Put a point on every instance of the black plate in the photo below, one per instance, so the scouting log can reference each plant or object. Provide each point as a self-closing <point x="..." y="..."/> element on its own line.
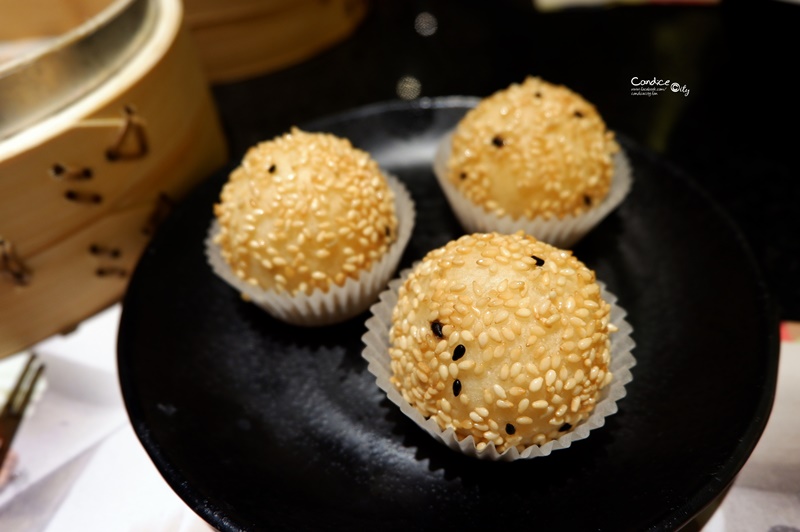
<point x="259" y="425"/>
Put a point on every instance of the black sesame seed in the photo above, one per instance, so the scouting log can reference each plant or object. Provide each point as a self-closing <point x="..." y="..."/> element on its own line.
<point x="387" y="231"/>
<point x="587" y="199"/>
<point x="272" y="169"/>
<point x="456" y="387"/>
<point x="510" y="430"/>
<point x="539" y="262"/>
<point x="459" y="352"/>
<point x="498" y="141"/>
<point x="462" y="175"/>
<point x="538" y="94"/>
<point x="565" y="427"/>
<point x="578" y="114"/>
<point x="436" y="327"/>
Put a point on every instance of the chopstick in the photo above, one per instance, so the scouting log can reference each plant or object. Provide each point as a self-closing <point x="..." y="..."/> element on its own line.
<point x="18" y="400"/>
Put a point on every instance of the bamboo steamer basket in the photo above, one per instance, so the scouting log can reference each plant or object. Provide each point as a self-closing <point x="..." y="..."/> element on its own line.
<point x="90" y="162"/>
<point x="238" y="39"/>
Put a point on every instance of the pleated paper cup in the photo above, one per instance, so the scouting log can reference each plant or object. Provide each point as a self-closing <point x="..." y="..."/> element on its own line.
<point x="561" y="232"/>
<point x="376" y="353"/>
<point x="338" y="303"/>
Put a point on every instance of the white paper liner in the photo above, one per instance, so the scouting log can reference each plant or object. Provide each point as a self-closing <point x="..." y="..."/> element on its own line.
<point x="339" y="303"/>
<point x="376" y="353"/>
<point x="560" y="232"/>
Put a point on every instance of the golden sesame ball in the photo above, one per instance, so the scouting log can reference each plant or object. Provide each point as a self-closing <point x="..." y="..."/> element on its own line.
<point x="533" y="149"/>
<point x="305" y="211"/>
<point x="501" y="337"/>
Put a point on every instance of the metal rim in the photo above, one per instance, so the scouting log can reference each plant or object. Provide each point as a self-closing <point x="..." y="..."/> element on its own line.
<point x="36" y="85"/>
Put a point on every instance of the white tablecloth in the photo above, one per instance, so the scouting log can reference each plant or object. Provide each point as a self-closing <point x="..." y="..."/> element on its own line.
<point x="82" y="467"/>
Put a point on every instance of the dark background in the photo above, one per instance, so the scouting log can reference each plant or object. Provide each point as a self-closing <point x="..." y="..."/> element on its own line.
<point x="735" y="133"/>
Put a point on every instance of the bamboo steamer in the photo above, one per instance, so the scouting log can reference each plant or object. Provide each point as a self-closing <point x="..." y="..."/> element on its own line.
<point x="238" y="39"/>
<point x="83" y="186"/>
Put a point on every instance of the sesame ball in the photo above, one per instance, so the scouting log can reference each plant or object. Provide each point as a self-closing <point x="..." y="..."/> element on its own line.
<point x="533" y="150"/>
<point x="305" y="211"/>
<point x="503" y="338"/>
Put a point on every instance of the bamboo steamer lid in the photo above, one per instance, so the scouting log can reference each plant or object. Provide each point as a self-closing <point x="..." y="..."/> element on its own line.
<point x="123" y="127"/>
<point x="238" y="39"/>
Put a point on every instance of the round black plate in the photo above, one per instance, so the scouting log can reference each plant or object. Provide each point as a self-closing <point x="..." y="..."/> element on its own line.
<point x="262" y="426"/>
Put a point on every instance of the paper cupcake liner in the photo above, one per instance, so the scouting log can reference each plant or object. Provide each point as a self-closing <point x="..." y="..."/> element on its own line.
<point x="561" y="232"/>
<point x="339" y="303"/>
<point x="376" y="353"/>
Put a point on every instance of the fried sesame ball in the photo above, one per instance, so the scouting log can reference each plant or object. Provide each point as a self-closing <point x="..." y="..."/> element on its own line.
<point x="305" y="211"/>
<point x="534" y="149"/>
<point x="503" y="338"/>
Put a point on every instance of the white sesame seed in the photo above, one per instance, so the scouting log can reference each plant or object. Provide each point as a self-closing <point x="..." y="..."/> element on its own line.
<point x="483" y="339"/>
<point x="452" y="336"/>
<point x="503" y="372"/>
<point x="575" y="404"/>
<point x="523" y="405"/>
<point x="453" y="369"/>
<point x="466" y="364"/>
<point x="487" y="395"/>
